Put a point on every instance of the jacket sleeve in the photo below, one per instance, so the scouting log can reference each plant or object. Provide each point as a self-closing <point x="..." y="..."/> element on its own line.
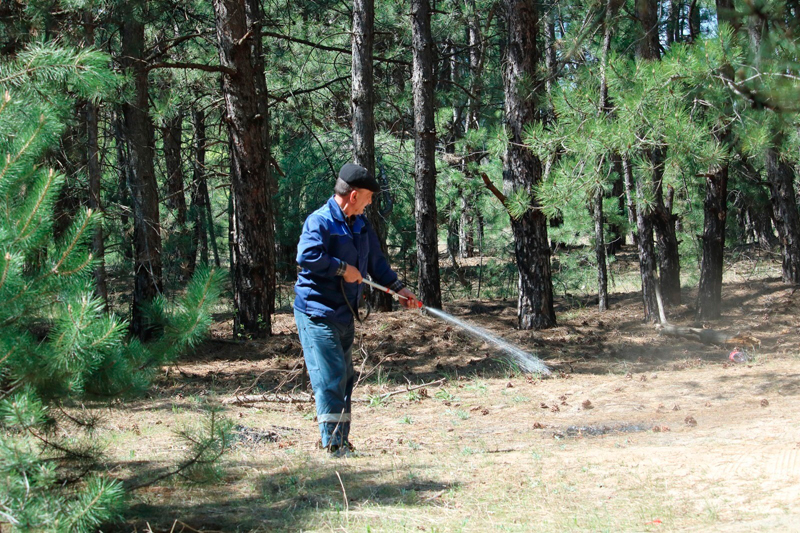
<point x="312" y="250"/>
<point x="377" y="265"/>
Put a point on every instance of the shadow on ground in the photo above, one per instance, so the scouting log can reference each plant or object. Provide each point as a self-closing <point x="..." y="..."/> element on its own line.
<point x="282" y="501"/>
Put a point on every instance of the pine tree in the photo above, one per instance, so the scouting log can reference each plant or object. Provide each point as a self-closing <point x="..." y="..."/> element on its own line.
<point x="57" y="343"/>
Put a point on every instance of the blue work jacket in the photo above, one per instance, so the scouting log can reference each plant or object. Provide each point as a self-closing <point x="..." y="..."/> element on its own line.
<point x="327" y="241"/>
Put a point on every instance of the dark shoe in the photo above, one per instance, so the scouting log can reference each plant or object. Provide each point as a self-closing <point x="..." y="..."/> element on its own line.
<point x="342" y="450"/>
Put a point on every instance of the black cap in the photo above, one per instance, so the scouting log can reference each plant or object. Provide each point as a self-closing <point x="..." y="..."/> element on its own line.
<point x="358" y="177"/>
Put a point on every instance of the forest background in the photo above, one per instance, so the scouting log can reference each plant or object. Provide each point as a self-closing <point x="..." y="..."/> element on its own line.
<point x="145" y="140"/>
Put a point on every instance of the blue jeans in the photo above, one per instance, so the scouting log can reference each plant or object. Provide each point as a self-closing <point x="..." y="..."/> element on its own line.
<point x="327" y="349"/>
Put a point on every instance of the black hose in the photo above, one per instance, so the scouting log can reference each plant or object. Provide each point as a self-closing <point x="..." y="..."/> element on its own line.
<point x="354" y="311"/>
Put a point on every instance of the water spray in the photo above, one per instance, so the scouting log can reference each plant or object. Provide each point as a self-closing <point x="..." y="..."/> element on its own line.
<point x="526" y="361"/>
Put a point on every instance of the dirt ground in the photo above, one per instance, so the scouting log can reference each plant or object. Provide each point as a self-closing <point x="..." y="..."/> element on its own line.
<point x="634" y="432"/>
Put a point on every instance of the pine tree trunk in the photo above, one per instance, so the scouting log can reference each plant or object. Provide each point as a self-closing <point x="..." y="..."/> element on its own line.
<point x="644" y="241"/>
<point x="173" y="131"/>
<point x="673" y="18"/>
<point x="630" y="198"/>
<point x="669" y="265"/>
<point x="94" y="172"/>
<point x="648" y="48"/>
<point x="139" y="135"/>
<point x="522" y="169"/>
<point x="424" y="154"/>
<point x="126" y="243"/>
<point x="252" y="231"/>
<point x="362" y="107"/>
<point x="476" y="54"/>
<point x="781" y="176"/>
<point x="176" y="199"/>
<point x="199" y="194"/>
<point x="715" y="214"/>
<point x="600" y="251"/>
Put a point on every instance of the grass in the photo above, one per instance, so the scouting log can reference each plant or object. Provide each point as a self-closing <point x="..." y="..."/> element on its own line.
<point x="477" y="455"/>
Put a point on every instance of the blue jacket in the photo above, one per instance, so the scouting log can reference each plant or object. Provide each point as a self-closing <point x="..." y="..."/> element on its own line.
<point x="326" y="242"/>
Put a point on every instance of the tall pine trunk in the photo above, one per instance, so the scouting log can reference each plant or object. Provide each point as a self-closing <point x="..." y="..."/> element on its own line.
<point x="715" y="210"/>
<point x="648" y="48"/>
<point x="172" y="134"/>
<point x="362" y="107"/>
<point x="139" y="137"/>
<point x="94" y="172"/>
<point x="781" y="177"/>
<point x="780" y="174"/>
<point x="199" y="238"/>
<point x="252" y="232"/>
<point x="522" y="169"/>
<point x="424" y="154"/>
<point x="644" y="242"/>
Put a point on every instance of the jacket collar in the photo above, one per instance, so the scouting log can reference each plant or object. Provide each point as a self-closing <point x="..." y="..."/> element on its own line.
<point x="338" y="214"/>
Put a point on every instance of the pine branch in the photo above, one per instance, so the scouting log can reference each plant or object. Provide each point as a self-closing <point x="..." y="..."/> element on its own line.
<point x="197" y="66"/>
<point x="318" y="46"/>
<point x="489" y="185"/>
<point x="21" y="152"/>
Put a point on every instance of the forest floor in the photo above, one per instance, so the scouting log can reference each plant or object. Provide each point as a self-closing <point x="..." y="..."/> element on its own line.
<point x="635" y="431"/>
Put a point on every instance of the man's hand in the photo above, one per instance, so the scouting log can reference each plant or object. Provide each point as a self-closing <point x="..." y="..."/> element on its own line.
<point x="352" y="275"/>
<point x="410" y="301"/>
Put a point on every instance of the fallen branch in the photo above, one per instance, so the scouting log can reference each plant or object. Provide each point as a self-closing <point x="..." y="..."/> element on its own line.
<point x="407" y="389"/>
<point x="268" y="397"/>
<point x="706" y="336"/>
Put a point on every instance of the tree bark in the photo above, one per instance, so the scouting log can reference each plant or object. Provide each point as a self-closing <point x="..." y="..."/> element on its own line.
<point x="715" y="210"/>
<point x="424" y="154"/>
<point x="139" y="136"/>
<point x="647" y="256"/>
<point x="252" y="231"/>
<point x="600" y="251"/>
<point x="362" y="106"/>
<point x="649" y="48"/>
<point x="172" y="133"/>
<point x="199" y="243"/>
<point x="522" y="169"/>
<point x="781" y="176"/>
<point x="94" y="172"/>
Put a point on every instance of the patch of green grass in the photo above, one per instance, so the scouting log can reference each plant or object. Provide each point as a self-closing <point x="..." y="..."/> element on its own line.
<point x="406" y="420"/>
<point x="445" y="395"/>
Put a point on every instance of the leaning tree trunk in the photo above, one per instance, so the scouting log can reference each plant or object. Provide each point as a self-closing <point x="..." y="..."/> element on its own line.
<point x="362" y="105"/>
<point x="522" y="169"/>
<point x="138" y="134"/>
<point x="424" y="154"/>
<point x="252" y="231"/>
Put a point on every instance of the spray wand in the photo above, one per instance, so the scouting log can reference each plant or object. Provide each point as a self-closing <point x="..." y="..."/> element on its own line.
<point x="387" y="290"/>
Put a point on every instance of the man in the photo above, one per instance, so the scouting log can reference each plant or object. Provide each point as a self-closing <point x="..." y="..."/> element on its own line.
<point x="337" y="248"/>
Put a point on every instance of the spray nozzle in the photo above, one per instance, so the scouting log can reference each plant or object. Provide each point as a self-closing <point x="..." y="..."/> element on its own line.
<point x="389" y="291"/>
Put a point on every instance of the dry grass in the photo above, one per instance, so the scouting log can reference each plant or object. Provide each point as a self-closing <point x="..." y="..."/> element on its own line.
<point x="637" y="433"/>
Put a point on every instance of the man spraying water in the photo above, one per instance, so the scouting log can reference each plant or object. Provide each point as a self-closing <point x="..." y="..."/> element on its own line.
<point x="337" y="249"/>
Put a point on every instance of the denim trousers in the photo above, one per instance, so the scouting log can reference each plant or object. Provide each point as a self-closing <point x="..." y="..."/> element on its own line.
<point x="327" y="350"/>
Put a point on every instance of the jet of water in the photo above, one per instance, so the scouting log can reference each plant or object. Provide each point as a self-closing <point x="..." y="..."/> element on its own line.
<point x="526" y="361"/>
